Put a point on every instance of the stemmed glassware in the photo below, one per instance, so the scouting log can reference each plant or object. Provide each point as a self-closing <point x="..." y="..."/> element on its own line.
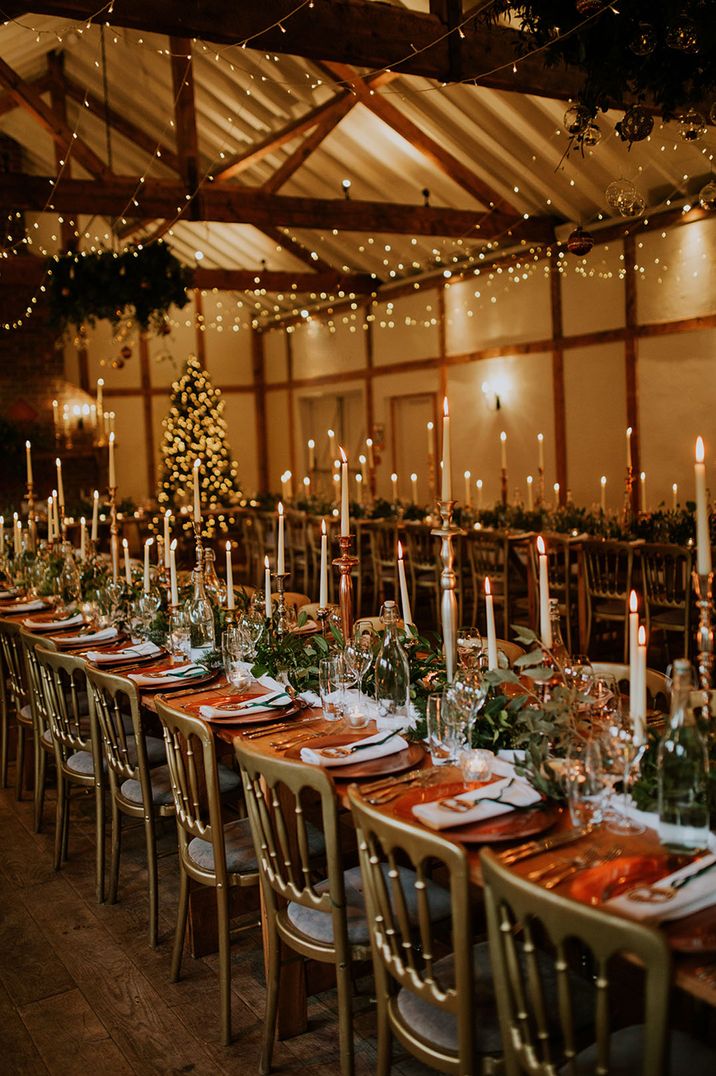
<point x="234" y="647"/>
<point x="469" y="646"/>
<point x="358" y="657"/>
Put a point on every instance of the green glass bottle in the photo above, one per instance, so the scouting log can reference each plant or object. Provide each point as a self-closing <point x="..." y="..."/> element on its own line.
<point x="683" y="767"/>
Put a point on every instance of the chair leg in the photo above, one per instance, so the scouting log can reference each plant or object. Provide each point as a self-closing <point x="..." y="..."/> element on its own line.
<point x="40" y="777"/>
<point x="99" y="840"/>
<point x="66" y="826"/>
<point x="383" y="1062"/>
<point x="115" y="852"/>
<point x="4" y="718"/>
<point x="273" y="981"/>
<point x="222" y="911"/>
<point x="60" y="808"/>
<point x="344" y="983"/>
<point x="151" y="843"/>
<point x="182" y="917"/>
<point x="20" y="762"/>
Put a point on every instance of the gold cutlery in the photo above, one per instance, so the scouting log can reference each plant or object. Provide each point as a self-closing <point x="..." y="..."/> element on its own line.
<point x="375" y="786"/>
<point x="283" y="745"/>
<point x="423" y="780"/>
<point x="351" y="749"/>
<point x="282" y="726"/>
<point x="585" y="859"/>
<point x="570" y="871"/>
<point x="536" y="848"/>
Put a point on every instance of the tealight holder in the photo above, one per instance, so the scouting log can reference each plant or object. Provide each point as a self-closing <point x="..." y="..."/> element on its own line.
<point x="476" y="763"/>
<point x="323" y="612"/>
<point x="447" y="532"/>
<point x="703" y="588"/>
<point x="281" y="616"/>
<point x="345" y="563"/>
<point x="503" y="485"/>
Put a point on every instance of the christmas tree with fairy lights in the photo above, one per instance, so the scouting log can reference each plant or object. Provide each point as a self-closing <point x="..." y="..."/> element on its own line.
<point x="195" y="428"/>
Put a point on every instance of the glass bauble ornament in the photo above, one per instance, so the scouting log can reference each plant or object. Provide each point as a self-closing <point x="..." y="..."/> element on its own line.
<point x="619" y="192"/>
<point x="644" y="41"/>
<point x="580" y="242"/>
<point x="707" y="195"/>
<point x="692" y="126"/>
<point x="576" y="119"/>
<point x="591" y="135"/>
<point x="683" y="35"/>
<point x="636" y="125"/>
<point x="588" y="7"/>
<point x="635" y="207"/>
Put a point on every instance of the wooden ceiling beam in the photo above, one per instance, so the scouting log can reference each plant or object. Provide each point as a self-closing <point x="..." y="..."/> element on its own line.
<point x="58" y="129"/>
<point x="440" y="157"/>
<point x="226" y="203"/>
<point x="297" y="249"/>
<point x="121" y="124"/>
<point x="185" y="116"/>
<point x="358" y="32"/>
<point x="41" y="84"/>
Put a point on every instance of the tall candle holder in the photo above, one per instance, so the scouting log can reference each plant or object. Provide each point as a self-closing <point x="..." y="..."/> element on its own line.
<point x="282" y="626"/>
<point x="345" y="564"/>
<point x="31" y="521"/>
<point x="628" y="495"/>
<point x="703" y="588"/>
<point x="447" y="532"/>
<point x="323" y="612"/>
<point x="113" y="529"/>
<point x="540" y="485"/>
<point x="503" y="485"/>
<point x="431" y="477"/>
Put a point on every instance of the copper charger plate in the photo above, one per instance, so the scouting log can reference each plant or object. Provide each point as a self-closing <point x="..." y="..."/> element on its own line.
<point x="694" y="933"/>
<point x="406" y="759"/>
<point x="184" y="684"/>
<point x="239" y="718"/>
<point x="83" y="644"/>
<point x="511" y="826"/>
<point x="129" y="659"/>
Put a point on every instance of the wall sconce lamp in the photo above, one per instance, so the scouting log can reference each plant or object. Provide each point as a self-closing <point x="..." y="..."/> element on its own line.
<point x="490" y="396"/>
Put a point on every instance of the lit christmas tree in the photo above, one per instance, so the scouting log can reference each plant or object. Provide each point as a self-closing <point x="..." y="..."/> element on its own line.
<point x="195" y="428"/>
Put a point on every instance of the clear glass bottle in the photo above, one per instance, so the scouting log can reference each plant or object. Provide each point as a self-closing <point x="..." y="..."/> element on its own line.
<point x="215" y="589"/>
<point x="201" y="618"/>
<point x="683" y="767"/>
<point x="392" y="672"/>
<point x="69" y="586"/>
<point x="559" y="650"/>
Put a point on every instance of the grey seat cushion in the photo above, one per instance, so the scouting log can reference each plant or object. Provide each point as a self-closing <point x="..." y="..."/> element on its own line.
<point x="229" y="781"/>
<point x="319" y="925"/>
<point x="440" y="1027"/>
<point x="688" y="1057"/>
<point x="81" y="761"/>
<point x="240" y="855"/>
<point x="24" y="714"/>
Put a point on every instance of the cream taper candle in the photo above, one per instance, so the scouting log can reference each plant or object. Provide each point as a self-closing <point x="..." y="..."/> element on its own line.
<point x="404" y="598"/>
<point x="703" y="536"/>
<point x="323" y="578"/>
<point x="490" y="620"/>
<point x="229" y="578"/>
<point x="545" y="625"/>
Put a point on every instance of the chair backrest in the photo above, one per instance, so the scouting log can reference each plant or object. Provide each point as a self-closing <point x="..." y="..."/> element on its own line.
<point x="487" y="555"/>
<point x="666" y="575"/>
<point x="404" y="945"/>
<point x="293" y="598"/>
<point x="278" y="792"/>
<point x="64" y="683"/>
<point x="191" y="757"/>
<point x="536" y="1023"/>
<point x="422" y="547"/>
<point x="29" y="643"/>
<point x="14" y="662"/>
<point x="116" y="703"/>
<point x="608" y="569"/>
<point x="657" y="685"/>
<point x="512" y="651"/>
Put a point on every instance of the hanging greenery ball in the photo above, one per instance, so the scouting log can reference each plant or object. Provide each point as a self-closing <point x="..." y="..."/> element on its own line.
<point x="126" y="352"/>
<point x="692" y="126"/>
<point x="683" y="35"/>
<point x="636" y="125"/>
<point x="588" y="7"/>
<point x="580" y="242"/>
<point x="707" y="195"/>
<point x="576" y="119"/>
<point x="643" y="42"/>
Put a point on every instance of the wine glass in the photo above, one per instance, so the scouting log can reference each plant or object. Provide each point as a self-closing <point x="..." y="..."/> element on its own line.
<point x="585" y="782"/>
<point x="233" y="648"/>
<point x="469" y="646"/>
<point x="358" y="656"/>
<point x="621" y="747"/>
<point x="467" y="695"/>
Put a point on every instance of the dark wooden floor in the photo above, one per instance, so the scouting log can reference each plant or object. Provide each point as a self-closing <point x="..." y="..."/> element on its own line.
<point x="82" y="992"/>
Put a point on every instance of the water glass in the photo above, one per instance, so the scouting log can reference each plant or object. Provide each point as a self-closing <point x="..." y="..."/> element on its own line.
<point x="331" y="680"/>
<point x="469" y="647"/>
<point x="585" y="783"/>
<point x="446" y="729"/>
<point x="179" y="636"/>
<point x="233" y="648"/>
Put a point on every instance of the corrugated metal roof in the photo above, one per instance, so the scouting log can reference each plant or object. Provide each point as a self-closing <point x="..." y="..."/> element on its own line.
<point x="513" y="142"/>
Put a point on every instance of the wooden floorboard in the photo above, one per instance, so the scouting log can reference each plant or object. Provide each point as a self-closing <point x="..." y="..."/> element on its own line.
<point x="81" y="991"/>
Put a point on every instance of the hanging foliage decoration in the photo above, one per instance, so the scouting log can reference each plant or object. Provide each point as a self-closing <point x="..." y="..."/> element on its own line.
<point x="651" y="50"/>
<point x="141" y="283"/>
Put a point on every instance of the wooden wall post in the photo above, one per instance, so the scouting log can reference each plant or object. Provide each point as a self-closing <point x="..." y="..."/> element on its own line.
<point x="631" y="346"/>
<point x="257" y="362"/>
<point x="558" y="390"/>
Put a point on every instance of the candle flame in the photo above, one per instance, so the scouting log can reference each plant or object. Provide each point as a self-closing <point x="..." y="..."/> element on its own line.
<point x="280" y="508"/>
<point x="629" y="431"/>
<point x="197" y="462"/>
<point x="394" y="477"/>
<point x="54" y="494"/>
<point x="541" y="548"/>
<point x="331" y="434"/>
<point x="111" y="438"/>
<point x="344" y="458"/>
<point x="323" y="526"/>
<point x="530" y="480"/>
<point x="700" y="454"/>
<point x="431" y="425"/>
<point x="642" y="635"/>
<point x="413" y="477"/>
<point x="540" y="437"/>
<point x="503" y="436"/>
<point x="488" y="588"/>
<point x="359" y="477"/>
<point x="633" y="602"/>
<point x="479" y="483"/>
<point x="369" y="442"/>
<point x="603" y="480"/>
<point x="675" y="488"/>
<point x="83" y="521"/>
<point x="266" y="561"/>
<point x="311" y="443"/>
<point x="173" y="546"/>
<point x="307" y="481"/>
<point x="149" y="541"/>
<point x="468" y="474"/>
<point x="96" y="494"/>
<point x="228" y="547"/>
<point x="58" y="461"/>
<point x="361" y="459"/>
<point x="27" y="444"/>
<point x="167" y="514"/>
<point x="446" y="412"/>
<point x="400" y="550"/>
<point x="556" y="487"/>
<point x="125" y="543"/>
<point x="642" y="476"/>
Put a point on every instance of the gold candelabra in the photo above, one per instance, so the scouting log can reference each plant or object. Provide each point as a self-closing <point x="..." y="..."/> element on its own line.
<point x="503" y="485"/>
<point x="628" y="495"/>
<point x="345" y="564"/>
<point x="31" y="521"/>
<point x="703" y="588"/>
<point x="447" y="532"/>
<point x="540" y="485"/>
<point x="282" y="625"/>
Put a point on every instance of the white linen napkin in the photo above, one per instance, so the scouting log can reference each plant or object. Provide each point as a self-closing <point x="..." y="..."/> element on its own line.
<point x="511" y="791"/>
<point x="391" y="746"/>
<point x="26" y="607"/>
<point x="263" y="704"/>
<point x="141" y="650"/>
<point x="689" y="898"/>
<point x="60" y="622"/>
<point x="7" y="593"/>
<point x="181" y="674"/>
<point x="102" y="635"/>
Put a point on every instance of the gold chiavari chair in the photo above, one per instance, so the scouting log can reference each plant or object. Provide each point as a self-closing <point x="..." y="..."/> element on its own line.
<point x="560" y="568"/>
<point x="657" y="685"/>
<point x="17" y="701"/>
<point x="78" y="751"/>
<point x="486" y="552"/>
<point x="666" y="583"/>
<point x="210" y="853"/>
<point x="297" y="547"/>
<point x="384" y="553"/>
<point x="42" y="733"/>
<point x="422" y="564"/>
<point x="608" y="570"/>
<point x="540" y="1028"/>
<point x="138" y="777"/>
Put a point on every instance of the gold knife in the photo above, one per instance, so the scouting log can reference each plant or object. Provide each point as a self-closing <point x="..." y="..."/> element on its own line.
<point x="535" y="848"/>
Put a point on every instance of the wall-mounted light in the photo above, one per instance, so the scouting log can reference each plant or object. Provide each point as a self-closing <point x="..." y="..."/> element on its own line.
<point x="346" y="185"/>
<point x="490" y="396"/>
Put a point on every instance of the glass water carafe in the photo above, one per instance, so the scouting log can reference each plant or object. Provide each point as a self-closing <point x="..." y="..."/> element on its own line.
<point x="392" y="673"/>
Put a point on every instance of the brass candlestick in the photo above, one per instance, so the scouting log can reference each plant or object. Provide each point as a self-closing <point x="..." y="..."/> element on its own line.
<point x="628" y="495"/>
<point x="282" y="626"/>
<point x="448" y="582"/>
<point x="31" y="521"/>
<point x="345" y="564"/>
<point x="431" y="477"/>
<point x="703" y="588"/>
<point x="113" y="529"/>
<point x="503" y="486"/>
<point x="540" y="485"/>
<point x="323" y="612"/>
